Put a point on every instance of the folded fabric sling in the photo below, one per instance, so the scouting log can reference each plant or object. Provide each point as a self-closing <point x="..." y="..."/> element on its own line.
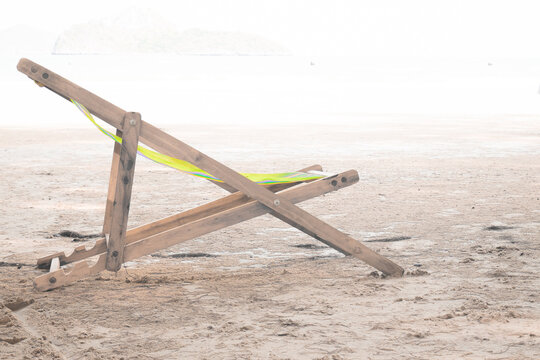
<point x="186" y="167"/>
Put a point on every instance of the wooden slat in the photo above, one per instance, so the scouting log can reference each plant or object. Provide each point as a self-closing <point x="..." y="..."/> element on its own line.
<point x="122" y="196"/>
<point x="112" y="186"/>
<point x="193" y="229"/>
<point x="60" y="277"/>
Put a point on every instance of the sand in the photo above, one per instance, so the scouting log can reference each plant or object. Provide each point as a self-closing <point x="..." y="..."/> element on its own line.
<point x="455" y="201"/>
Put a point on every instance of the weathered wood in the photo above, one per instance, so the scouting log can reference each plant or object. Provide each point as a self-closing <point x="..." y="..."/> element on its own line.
<point x="194" y="229"/>
<point x="224" y="186"/>
<point x="122" y="195"/>
<point x="155" y="227"/>
<point x="112" y="186"/>
<point x="60" y="277"/>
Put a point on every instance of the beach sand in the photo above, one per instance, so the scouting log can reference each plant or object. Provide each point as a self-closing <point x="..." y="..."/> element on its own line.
<point x="453" y="200"/>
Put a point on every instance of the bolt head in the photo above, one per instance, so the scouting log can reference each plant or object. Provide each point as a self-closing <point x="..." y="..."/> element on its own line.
<point x="276" y="202"/>
<point x="132" y="122"/>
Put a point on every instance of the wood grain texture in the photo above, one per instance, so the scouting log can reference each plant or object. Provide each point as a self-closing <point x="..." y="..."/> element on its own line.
<point x="122" y="195"/>
<point x="112" y="186"/>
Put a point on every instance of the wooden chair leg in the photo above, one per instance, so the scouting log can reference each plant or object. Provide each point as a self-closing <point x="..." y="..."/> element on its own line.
<point x="112" y="186"/>
<point x="122" y="195"/>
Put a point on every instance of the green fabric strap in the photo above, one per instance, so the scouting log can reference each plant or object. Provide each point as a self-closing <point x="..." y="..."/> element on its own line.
<point x="191" y="169"/>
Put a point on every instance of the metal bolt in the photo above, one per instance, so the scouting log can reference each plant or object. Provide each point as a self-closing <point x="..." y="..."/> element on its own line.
<point x="115" y="253"/>
<point x="52" y="280"/>
<point x="276" y="202"/>
<point x="132" y="122"/>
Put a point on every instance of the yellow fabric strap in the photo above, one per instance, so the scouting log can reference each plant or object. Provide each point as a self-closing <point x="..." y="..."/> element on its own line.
<point x="191" y="169"/>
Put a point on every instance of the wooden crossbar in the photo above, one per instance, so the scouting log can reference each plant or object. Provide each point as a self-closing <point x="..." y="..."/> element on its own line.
<point x="131" y="127"/>
<point x="124" y="245"/>
<point x="112" y="185"/>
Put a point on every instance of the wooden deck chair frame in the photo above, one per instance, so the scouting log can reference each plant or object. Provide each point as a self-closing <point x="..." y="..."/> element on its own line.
<point x="248" y="199"/>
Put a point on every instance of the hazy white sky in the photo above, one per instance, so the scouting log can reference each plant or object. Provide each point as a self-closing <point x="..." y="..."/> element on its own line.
<point x="471" y="28"/>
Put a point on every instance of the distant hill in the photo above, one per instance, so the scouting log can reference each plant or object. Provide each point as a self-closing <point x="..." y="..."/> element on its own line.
<point x="23" y="39"/>
<point x="147" y="32"/>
